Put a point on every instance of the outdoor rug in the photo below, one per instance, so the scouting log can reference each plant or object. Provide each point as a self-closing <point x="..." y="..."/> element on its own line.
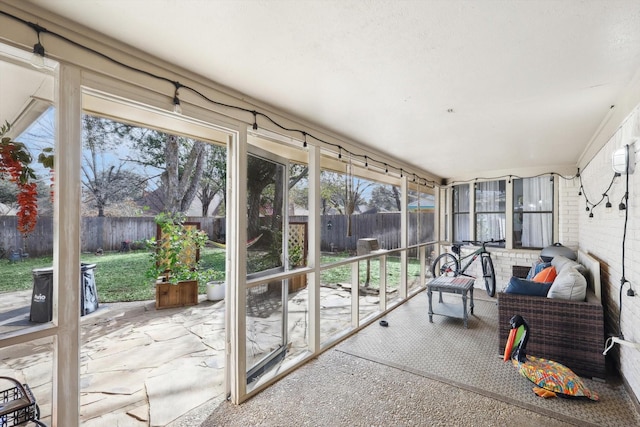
<point x="468" y="359"/>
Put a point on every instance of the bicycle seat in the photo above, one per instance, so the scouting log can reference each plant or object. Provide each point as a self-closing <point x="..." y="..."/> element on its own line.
<point x="455" y="249"/>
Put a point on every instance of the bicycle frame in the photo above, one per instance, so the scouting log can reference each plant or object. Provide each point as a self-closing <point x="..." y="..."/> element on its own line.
<point x="473" y="255"/>
<point x="448" y="258"/>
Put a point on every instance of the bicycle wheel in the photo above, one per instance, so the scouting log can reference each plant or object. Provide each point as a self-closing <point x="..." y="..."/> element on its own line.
<point x="445" y="265"/>
<point x="489" y="275"/>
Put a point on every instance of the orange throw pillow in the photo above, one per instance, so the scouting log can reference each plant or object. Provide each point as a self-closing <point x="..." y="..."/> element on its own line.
<point x="547" y="275"/>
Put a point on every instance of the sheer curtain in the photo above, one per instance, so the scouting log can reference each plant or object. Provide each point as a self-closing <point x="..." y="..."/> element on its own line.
<point x="461" y="213"/>
<point x="461" y="227"/>
<point x="537" y="217"/>
<point x="490" y="208"/>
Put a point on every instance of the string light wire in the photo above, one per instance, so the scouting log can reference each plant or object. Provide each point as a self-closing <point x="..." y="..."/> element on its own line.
<point x="176" y="102"/>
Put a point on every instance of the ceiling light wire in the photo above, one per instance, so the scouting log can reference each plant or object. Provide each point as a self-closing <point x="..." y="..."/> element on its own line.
<point x="177" y="108"/>
<point x="255" y="113"/>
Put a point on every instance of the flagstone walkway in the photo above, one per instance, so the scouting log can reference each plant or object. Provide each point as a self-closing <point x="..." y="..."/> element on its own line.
<point x="141" y="366"/>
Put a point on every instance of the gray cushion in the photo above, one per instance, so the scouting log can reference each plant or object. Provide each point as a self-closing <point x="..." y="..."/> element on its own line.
<point x="560" y="262"/>
<point x="570" y="284"/>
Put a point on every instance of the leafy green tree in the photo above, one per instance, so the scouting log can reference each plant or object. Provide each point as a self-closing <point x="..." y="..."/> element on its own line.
<point x="385" y="197"/>
<point x="260" y="174"/>
<point x="214" y="178"/>
<point x="180" y="160"/>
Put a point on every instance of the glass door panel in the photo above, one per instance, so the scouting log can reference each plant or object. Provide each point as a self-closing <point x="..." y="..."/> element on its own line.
<point x="267" y="302"/>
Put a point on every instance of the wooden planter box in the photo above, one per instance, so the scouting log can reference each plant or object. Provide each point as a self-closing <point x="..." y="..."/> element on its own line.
<point x="297" y="283"/>
<point x="179" y="295"/>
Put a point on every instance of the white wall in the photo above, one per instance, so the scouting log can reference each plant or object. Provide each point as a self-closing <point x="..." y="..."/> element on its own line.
<point x="602" y="237"/>
<point x="569" y="212"/>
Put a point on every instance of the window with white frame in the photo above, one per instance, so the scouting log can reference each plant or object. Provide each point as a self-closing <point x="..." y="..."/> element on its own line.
<point x="532" y="212"/>
<point x="461" y="212"/>
<point x="490" y="210"/>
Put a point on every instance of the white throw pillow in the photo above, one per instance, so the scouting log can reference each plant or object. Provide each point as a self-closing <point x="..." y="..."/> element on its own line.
<point x="569" y="284"/>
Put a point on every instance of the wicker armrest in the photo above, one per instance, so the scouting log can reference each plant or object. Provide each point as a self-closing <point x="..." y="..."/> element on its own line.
<point x="569" y="332"/>
<point x="520" y="271"/>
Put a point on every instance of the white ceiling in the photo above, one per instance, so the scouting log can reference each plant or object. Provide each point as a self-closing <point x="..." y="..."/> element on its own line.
<point x="529" y="82"/>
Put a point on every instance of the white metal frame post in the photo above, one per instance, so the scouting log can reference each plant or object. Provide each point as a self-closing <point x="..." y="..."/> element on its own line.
<point x="404" y="197"/>
<point x="314" y="231"/>
<point x="66" y="250"/>
<point x="355" y="299"/>
<point x="383" y="282"/>
<point x="236" y="342"/>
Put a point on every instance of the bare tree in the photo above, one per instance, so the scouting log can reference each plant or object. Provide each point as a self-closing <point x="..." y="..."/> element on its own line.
<point x="343" y="192"/>
<point x="105" y="178"/>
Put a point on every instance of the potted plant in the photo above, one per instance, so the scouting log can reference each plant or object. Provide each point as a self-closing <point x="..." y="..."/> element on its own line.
<point x="175" y="260"/>
<point x="216" y="290"/>
<point x="215" y="284"/>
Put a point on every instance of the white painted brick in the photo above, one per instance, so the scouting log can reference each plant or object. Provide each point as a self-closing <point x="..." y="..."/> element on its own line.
<point x="602" y="237"/>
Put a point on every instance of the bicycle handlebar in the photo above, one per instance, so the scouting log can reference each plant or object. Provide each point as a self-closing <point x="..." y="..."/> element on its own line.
<point x="481" y="243"/>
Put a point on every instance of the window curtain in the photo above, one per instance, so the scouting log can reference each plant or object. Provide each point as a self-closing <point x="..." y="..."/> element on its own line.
<point x="461" y="227"/>
<point x="537" y="221"/>
<point x="490" y="197"/>
<point x="490" y="226"/>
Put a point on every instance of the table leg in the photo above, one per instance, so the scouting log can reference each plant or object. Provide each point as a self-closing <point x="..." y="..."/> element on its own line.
<point x="430" y="295"/>
<point x="464" y="308"/>
<point x="471" y="290"/>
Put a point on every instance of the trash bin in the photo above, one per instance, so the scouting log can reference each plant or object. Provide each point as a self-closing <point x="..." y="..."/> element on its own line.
<point x="88" y="291"/>
<point x="42" y="295"/>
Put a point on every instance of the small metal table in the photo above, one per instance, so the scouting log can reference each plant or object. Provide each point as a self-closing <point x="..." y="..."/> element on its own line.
<point x="453" y="285"/>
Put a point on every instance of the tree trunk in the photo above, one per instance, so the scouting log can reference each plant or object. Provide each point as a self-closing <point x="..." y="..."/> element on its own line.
<point x="396" y="196"/>
<point x="253" y="214"/>
<point x="170" y="178"/>
<point x="181" y="188"/>
<point x="190" y="179"/>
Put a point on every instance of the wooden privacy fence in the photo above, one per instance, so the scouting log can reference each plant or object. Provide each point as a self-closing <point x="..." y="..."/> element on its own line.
<point x="108" y="233"/>
<point x="383" y="226"/>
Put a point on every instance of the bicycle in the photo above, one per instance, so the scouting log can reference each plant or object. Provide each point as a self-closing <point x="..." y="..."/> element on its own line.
<point x="449" y="264"/>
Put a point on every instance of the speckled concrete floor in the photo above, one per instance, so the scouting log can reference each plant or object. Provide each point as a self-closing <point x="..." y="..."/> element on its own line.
<point x="338" y="389"/>
<point x="429" y="374"/>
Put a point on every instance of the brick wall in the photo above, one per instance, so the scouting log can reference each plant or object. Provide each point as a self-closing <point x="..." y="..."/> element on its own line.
<point x="568" y="212"/>
<point x="602" y="237"/>
<point x="503" y="260"/>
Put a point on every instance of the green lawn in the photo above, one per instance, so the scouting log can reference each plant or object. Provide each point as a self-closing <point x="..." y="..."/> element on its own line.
<point x="342" y="274"/>
<point x="121" y="276"/>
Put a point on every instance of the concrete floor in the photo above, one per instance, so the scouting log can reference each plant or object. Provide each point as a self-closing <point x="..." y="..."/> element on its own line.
<point x="142" y="366"/>
<point x="418" y="373"/>
<point x="338" y="389"/>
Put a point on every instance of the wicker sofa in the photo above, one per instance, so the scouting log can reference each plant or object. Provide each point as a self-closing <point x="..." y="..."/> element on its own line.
<point x="569" y="332"/>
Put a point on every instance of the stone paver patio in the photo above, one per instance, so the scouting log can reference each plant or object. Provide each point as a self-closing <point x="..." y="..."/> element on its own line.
<point x="146" y="367"/>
